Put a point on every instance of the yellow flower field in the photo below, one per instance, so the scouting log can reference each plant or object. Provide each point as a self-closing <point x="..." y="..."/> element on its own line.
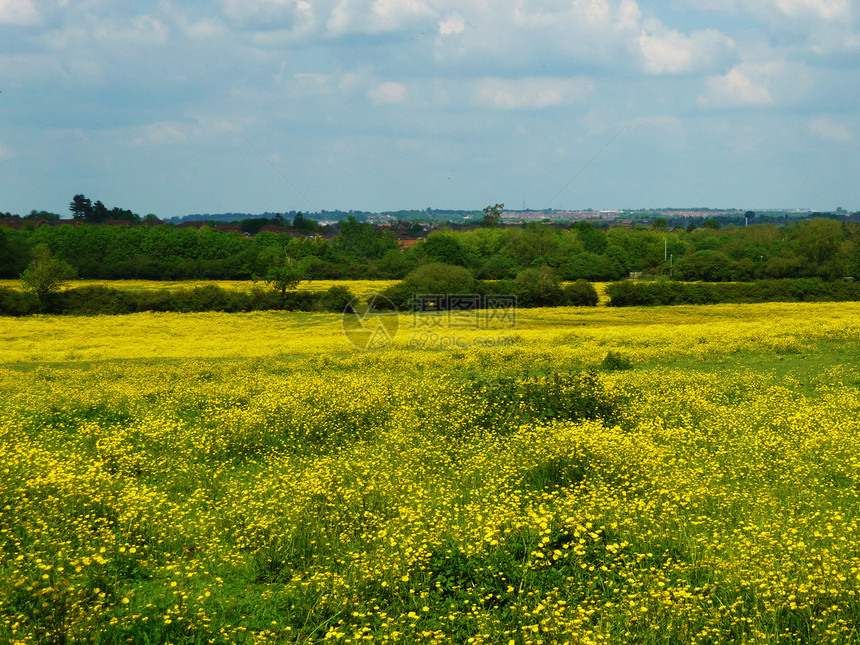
<point x="255" y="478"/>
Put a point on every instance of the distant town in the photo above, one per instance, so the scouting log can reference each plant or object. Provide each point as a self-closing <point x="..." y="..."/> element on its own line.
<point x="673" y="216"/>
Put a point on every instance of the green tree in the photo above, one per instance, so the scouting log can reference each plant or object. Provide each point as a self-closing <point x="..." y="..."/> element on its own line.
<point x="51" y="217"/>
<point x="360" y="240"/>
<point x="711" y="266"/>
<point x="99" y="213"/>
<point x="593" y="239"/>
<point x="443" y="247"/>
<point x="537" y="287"/>
<point x="81" y="207"/>
<point x="282" y="271"/>
<point x="493" y="215"/>
<point x="304" y="224"/>
<point x="46" y="273"/>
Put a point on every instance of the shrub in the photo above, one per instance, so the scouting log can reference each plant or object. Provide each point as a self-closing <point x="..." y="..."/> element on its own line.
<point x="335" y="299"/>
<point x="18" y="303"/>
<point x="616" y="362"/>
<point x="631" y="294"/>
<point x="431" y="279"/>
<point x="537" y="287"/>
<point x="507" y="401"/>
<point x="91" y="301"/>
<point x="581" y="294"/>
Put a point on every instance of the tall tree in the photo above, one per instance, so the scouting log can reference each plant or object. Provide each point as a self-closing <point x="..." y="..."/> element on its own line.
<point x="99" y="213"/>
<point x="493" y="215"/>
<point x="81" y="207"/>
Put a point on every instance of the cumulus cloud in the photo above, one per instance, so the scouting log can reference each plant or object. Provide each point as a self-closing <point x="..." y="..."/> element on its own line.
<point x="738" y="88"/>
<point x="388" y="93"/>
<point x="452" y="24"/>
<point x="830" y="129"/>
<point x="531" y="93"/>
<point x="671" y="52"/>
<point x="18" y="12"/>
<point x="364" y="16"/>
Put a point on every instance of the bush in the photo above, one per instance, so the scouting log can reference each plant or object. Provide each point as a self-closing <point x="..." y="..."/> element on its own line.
<point x="581" y="294"/>
<point x="19" y="303"/>
<point x="431" y="279"/>
<point x="633" y="294"/>
<point x="91" y="300"/>
<point x="507" y="402"/>
<point x="335" y="299"/>
<point x="537" y="287"/>
<point x="209" y="297"/>
<point x="615" y="362"/>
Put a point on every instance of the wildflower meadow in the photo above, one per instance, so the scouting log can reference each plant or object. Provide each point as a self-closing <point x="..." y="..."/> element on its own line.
<point x="673" y="475"/>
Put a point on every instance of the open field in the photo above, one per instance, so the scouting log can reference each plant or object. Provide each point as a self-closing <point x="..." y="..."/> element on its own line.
<point x="197" y="478"/>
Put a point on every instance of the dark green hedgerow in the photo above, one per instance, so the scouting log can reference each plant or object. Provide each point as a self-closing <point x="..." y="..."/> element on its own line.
<point x="633" y="294"/>
<point x="98" y="299"/>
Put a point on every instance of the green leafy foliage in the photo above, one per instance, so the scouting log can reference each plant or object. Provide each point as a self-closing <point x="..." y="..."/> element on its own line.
<point x="46" y="273"/>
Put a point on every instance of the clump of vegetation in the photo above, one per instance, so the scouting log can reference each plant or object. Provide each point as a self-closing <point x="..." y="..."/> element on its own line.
<point x="47" y="274"/>
<point x="91" y="300"/>
<point x="615" y="361"/>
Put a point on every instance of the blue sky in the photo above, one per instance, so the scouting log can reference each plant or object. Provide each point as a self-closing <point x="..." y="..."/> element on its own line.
<point x="185" y="107"/>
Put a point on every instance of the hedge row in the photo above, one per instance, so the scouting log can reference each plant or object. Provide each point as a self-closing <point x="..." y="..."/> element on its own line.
<point x="633" y="294"/>
<point x="93" y="300"/>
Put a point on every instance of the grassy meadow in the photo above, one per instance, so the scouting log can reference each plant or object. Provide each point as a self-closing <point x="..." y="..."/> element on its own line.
<point x="670" y="475"/>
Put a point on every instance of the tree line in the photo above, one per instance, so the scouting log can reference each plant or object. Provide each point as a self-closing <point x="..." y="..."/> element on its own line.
<point x="823" y="248"/>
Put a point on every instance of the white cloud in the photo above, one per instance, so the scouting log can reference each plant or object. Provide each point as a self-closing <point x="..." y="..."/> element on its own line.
<point x="395" y="12"/>
<point x="824" y="9"/>
<point x="18" y="12"/>
<point x="775" y="9"/>
<point x="738" y="88"/>
<point x="531" y="93"/>
<point x="254" y="10"/>
<point x="452" y="24"/>
<point x="829" y="129"/>
<point x="388" y="93"/>
<point x="671" y="52"/>
<point x="6" y="154"/>
<point x="364" y="16"/>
